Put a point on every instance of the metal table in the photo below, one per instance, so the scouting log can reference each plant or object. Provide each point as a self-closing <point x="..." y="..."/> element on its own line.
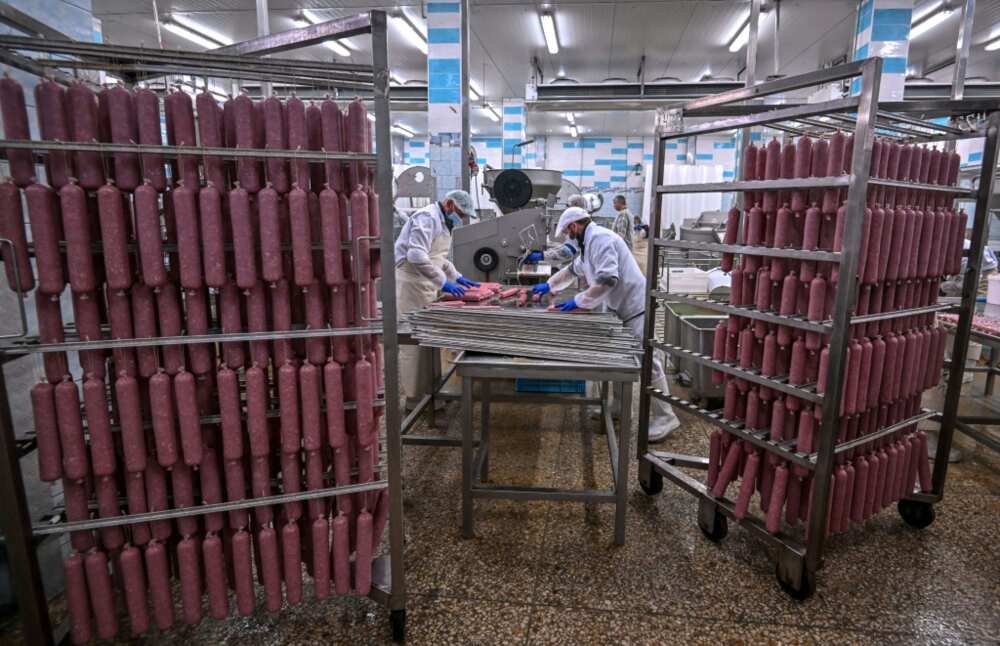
<point x="475" y="465"/>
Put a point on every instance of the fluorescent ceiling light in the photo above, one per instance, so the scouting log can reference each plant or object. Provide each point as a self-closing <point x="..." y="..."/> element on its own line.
<point x="491" y="113"/>
<point x="573" y="131"/>
<point x="929" y="20"/>
<point x="993" y="45"/>
<point x="474" y="91"/>
<point x="306" y="18"/>
<point x="413" y="34"/>
<point x="406" y="132"/>
<point x="571" y="117"/>
<point x="371" y="117"/>
<point x="549" y="31"/>
<point x="196" y="33"/>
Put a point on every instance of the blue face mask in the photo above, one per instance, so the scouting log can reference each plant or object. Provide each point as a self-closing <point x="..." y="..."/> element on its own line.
<point x="452" y="220"/>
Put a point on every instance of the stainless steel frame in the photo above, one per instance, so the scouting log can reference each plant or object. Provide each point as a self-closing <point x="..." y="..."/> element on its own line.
<point x="15" y="522"/>
<point x="798" y="562"/>
<point x="473" y="368"/>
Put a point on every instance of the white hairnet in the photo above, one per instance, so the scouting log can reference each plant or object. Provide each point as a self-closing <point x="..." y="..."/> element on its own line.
<point x="577" y="200"/>
<point x="568" y="217"/>
<point x="463" y="201"/>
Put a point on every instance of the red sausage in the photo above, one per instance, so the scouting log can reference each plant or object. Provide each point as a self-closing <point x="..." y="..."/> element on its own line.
<point x="281" y="319"/>
<point x="257" y="399"/>
<point x="211" y="489"/>
<point x="210" y="131"/>
<point x="762" y="299"/>
<point x="749" y="477"/>
<point x="333" y="126"/>
<point x="260" y="487"/>
<point x="106" y="491"/>
<point x="243" y="237"/>
<point x="275" y="138"/>
<point x="75" y="499"/>
<point x="834" y="167"/>
<point x="314" y="132"/>
<point x="43" y="408"/>
<point x="114" y="237"/>
<point x="88" y="325"/>
<point x="182" y="483"/>
<point x="329" y="204"/>
<point x="77" y="600"/>
<point x="12" y="228"/>
<point x="215" y="577"/>
<point x="302" y="252"/>
<point x="181" y="132"/>
<point x="243" y="571"/>
<point x="797" y="371"/>
<point x="230" y="412"/>
<point x="212" y="236"/>
<point x="81" y="105"/>
<point x="169" y="312"/>
<point x="363" y="558"/>
<point x="185" y="206"/>
<point x="777" y="500"/>
<point x="124" y="129"/>
<point x="291" y="549"/>
<point x="77" y="229"/>
<point x="256" y="310"/>
<point x="359" y="230"/>
<point x="190" y="575"/>
<point x="291" y="482"/>
<point x="164" y="427"/>
<point x="156" y="495"/>
<point x="74" y="448"/>
<point x="297" y="139"/>
<point x="147" y="224"/>
<point x="134" y="588"/>
<point x="311" y="388"/>
<point x="188" y="419"/>
<point x="159" y="585"/>
<point x="46" y="232"/>
<point x="144" y="326"/>
<point x="341" y="555"/>
<point x="196" y="314"/>
<point x="321" y="558"/>
<point x="315" y="320"/>
<point x="374" y="230"/>
<point x="334" y="395"/>
<point x="803" y="155"/>
<point x="358" y="139"/>
<point x="288" y="401"/>
<point x="365" y="401"/>
<point x="772" y="170"/>
<point x="728" y="471"/>
<point x="269" y="565"/>
<point x="270" y="234"/>
<point x="147" y="110"/>
<point x="53" y="125"/>
<point x="245" y="125"/>
<point x="810" y="241"/>
<point x="101" y="595"/>
<point x="229" y="306"/>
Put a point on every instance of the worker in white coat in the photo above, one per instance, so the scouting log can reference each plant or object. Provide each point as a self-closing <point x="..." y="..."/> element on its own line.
<point x="560" y="254"/>
<point x="613" y="279"/>
<point x="423" y="271"/>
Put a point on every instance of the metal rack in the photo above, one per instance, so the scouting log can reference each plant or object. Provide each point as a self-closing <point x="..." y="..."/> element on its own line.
<point x="239" y="61"/>
<point x="798" y="560"/>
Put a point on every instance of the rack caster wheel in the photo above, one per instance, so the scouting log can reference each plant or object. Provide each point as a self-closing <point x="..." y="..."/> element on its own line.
<point x="653" y="485"/>
<point x="805" y="589"/>
<point x="718" y="530"/>
<point x="916" y="514"/>
<point x="397" y="620"/>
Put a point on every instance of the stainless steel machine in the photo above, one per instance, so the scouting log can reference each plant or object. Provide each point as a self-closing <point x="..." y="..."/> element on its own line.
<point x="492" y="249"/>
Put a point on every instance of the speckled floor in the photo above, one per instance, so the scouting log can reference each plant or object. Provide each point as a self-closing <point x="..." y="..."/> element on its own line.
<point x="548" y="573"/>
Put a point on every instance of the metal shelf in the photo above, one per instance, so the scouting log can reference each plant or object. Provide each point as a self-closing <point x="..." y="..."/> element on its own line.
<point x="181" y="151"/>
<point x="882" y="432"/>
<point x="806" y="391"/>
<point x="798" y="322"/>
<point x="840" y="181"/>
<point x="752" y="250"/>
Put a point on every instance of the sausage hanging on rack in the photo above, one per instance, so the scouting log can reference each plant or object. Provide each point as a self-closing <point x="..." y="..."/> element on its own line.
<point x="210" y="131"/>
<point x="181" y="132"/>
<point x="77" y="230"/>
<point x="275" y="138"/>
<point x="102" y="447"/>
<point x="301" y="230"/>
<point x="53" y="125"/>
<point x="297" y="133"/>
<point x="149" y="236"/>
<point x="158" y="570"/>
<point x="77" y="599"/>
<point x="291" y="548"/>
<point x="46" y="233"/>
<point x="43" y="409"/>
<point x="243" y="238"/>
<point x="16" y="262"/>
<point x="244" y="118"/>
<point x="81" y="104"/>
<point x="134" y="589"/>
<point x="243" y="571"/>
<point x="215" y="576"/>
<point x="147" y="111"/>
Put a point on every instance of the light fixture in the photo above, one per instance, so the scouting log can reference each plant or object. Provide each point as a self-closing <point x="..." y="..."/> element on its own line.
<point x="413" y="34"/>
<point x="571" y="118"/>
<point x="929" y="19"/>
<point x="573" y="131"/>
<point x="307" y="18"/>
<point x="706" y="75"/>
<point x="474" y="91"/>
<point x="371" y="117"/>
<point x="549" y="31"/>
<point x="491" y="113"/>
<point x="741" y="36"/>
<point x="197" y="34"/>
<point x="993" y="45"/>
<point x="406" y="132"/>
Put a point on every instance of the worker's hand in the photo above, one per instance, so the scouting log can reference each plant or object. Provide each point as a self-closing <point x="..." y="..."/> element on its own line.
<point x="534" y="257"/>
<point x="465" y="282"/>
<point x="541" y="289"/>
<point x="568" y="306"/>
<point x="453" y="289"/>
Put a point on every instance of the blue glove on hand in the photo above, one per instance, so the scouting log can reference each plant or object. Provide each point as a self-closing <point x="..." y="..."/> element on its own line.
<point x="541" y="289"/>
<point x="465" y="282"/>
<point x="534" y="257"/>
<point x="453" y="289"/>
<point x="568" y="306"/>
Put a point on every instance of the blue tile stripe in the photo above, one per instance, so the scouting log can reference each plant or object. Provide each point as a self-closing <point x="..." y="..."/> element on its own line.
<point x="619" y="151"/>
<point x="704" y="156"/>
<point x="891" y="24"/>
<point x="443" y="95"/>
<point x="724" y="145"/>
<point x="647" y="157"/>
<point x="894" y="65"/>
<point x="444" y="66"/>
<point x="513" y="110"/>
<point x="636" y="145"/>
<point x="416" y="143"/>
<point x="977" y="156"/>
<point x="512" y="126"/>
<point x="619" y="178"/>
<point x="865" y="15"/>
<point x="578" y="173"/>
<point x="443" y="7"/>
<point x="443" y="35"/>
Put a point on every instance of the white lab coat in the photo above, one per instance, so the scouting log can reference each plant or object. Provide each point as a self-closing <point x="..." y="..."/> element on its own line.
<point x="422" y="267"/>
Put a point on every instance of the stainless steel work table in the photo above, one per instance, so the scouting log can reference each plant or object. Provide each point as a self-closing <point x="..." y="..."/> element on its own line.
<point x="475" y="463"/>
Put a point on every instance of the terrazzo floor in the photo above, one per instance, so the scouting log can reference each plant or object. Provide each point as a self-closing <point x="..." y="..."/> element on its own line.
<point x="549" y="573"/>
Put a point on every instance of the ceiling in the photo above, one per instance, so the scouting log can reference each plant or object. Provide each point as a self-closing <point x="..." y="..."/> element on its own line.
<point x="598" y="39"/>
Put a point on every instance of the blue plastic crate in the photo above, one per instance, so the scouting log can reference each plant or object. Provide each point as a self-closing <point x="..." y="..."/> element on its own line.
<point x="572" y="386"/>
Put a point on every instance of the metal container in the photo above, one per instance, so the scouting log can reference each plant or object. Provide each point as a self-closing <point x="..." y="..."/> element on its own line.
<point x="698" y="335"/>
<point x="673" y="313"/>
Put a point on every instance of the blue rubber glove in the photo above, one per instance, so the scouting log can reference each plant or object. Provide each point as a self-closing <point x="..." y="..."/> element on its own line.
<point x="568" y="306"/>
<point x="541" y="289"/>
<point x="453" y="289"/>
<point x="465" y="282"/>
<point x="534" y="257"/>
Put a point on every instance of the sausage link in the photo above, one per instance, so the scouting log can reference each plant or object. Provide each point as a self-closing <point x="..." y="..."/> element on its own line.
<point x="341" y="555"/>
<point x="288" y="401"/>
<point x="359" y="230"/>
<point x="43" y="409"/>
<point x="291" y="549"/>
<point x="76" y="501"/>
<point x="803" y="156"/>
<point x="229" y="308"/>
<point x="243" y="573"/>
<point x="236" y="490"/>
<point x="243" y="237"/>
<point x="311" y="389"/>
<point x="169" y="316"/>
<point x="156" y="498"/>
<point x="101" y="595"/>
<point x="245" y="124"/>
<point x="329" y="203"/>
<point x="46" y="232"/>
<point x="275" y="138"/>
<point x="314" y="480"/>
<point x="320" y="537"/>
<point x="182" y="484"/>
<point x="834" y="167"/>
<point x="74" y="448"/>
<point x="281" y="319"/>
<point x="291" y="482"/>
<point x="215" y="577"/>
<point x="114" y="237"/>
<point x="147" y="111"/>
<point x="106" y="492"/>
<point x="53" y="125"/>
<point x="871" y="271"/>
<point x="84" y="128"/>
<point x="76" y="228"/>
<point x="339" y="319"/>
<point x="358" y="139"/>
<point x="134" y="589"/>
<point x="181" y="132"/>
<point x="77" y="599"/>
<point x="314" y="135"/>
<point x="315" y="320"/>
<point x="210" y="131"/>
<point x="302" y="252"/>
<point x="334" y="395"/>
<point x="257" y="398"/>
<point x="270" y="234"/>
<point x="196" y="315"/>
<point x="230" y="413"/>
<point x="159" y="585"/>
<point x="211" y="488"/>
<point x="190" y="575"/>
<point x="296" y="131"/>
<point x="161" y="404"/>
<point x="269" y="565"/>
<point x="333" y="128"/>
<point x="365" y="402"/>
<point x="747" y="482"/>
<point x="185" y="205"/>
<point x="87" y="317"/>
<point x="260" y="487"/>
<point x="123" y="129"/>
<point x="12" y="228"/>
<point x="188" y="419"/>
<point x="212" y="236"/>
<point x="147" y="224"/>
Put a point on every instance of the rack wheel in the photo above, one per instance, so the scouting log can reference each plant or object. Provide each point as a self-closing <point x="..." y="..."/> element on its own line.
<point x="800" y="593"/>
<point x="720" y="528"/>
<point x="916" y="514"/>
<point x="397" y="620"/>
<point x="653" y="485"/>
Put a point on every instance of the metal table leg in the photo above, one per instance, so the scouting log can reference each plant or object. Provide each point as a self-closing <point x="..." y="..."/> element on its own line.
<point x="621" y="487"/>
<point x="467" y="458"/>
<point x="484" y="432"/>
<point x="991" y="375"/>
<point x="434" y="363"/>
